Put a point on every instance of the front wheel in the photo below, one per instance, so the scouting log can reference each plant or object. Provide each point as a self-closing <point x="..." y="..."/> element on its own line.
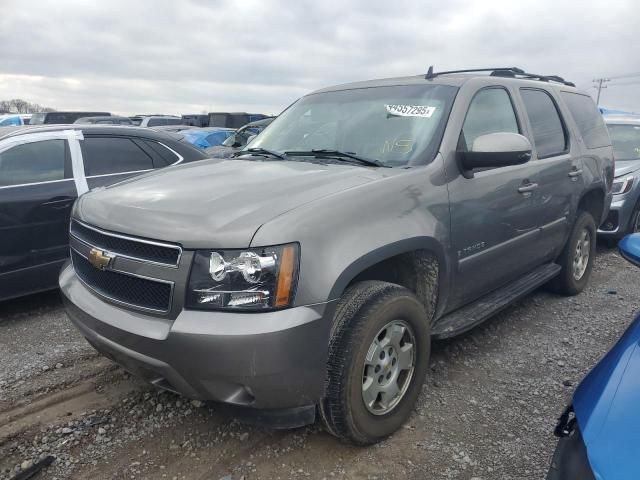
<point x="378" y="360"/>
<point x="577" y="257"/>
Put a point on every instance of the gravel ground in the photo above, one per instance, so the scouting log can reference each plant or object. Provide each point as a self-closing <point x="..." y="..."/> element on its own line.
<point x="487" y="410"/>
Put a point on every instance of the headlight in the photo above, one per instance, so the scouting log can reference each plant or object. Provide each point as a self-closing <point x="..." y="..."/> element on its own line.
<point x="251" y="279"/>
<point x="622" y="185"/>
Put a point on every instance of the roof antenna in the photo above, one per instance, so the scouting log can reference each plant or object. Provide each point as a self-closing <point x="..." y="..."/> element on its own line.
<point x="429" y="74"/>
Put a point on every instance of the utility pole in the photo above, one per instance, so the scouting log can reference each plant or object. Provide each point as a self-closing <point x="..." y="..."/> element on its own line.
<point x="599" y="85"/>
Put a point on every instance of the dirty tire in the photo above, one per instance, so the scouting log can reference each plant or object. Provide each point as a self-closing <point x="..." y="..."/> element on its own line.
<point x="565" y="283"/>
<point x="363" y="310"/>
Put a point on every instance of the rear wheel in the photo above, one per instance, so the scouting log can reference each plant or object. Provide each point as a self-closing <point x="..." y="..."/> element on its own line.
<point x="577" y="257"/>
<point x="378" y="359"/>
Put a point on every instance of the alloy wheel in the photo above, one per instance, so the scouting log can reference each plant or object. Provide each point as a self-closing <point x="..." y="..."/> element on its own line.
<point x="582" y="254"/>
<point x="388" y="367"/>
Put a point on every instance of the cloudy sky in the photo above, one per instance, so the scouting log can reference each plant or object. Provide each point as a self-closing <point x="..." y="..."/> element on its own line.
<point x="160" y="56"/>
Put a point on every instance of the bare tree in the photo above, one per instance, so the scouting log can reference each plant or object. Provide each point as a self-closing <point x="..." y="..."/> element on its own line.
<point x="17" y="105"/>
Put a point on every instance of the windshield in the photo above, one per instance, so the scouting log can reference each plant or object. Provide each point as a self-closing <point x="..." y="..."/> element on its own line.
<point x="626" y="141"/>
<point x="396" y="125"/>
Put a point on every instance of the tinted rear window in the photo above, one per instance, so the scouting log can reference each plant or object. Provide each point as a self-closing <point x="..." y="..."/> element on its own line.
<point x="588" y="118"/>
<point x="105" y="155"/>
<point x="162" y="154"/>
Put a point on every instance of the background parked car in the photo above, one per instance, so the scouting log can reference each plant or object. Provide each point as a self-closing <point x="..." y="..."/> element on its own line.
<point x="233" y="119"/>
<point x="196" y="120"/>
<point x="108" y="120"/>
<point x="62" y="117"/>
<point x="158" y="121"/>
<point x="206" y="137"/>
<point x="239" y="139"/>
<point x="44" y="169"/>
<point x="11" y="120"/>
<point x="624" y="215"/>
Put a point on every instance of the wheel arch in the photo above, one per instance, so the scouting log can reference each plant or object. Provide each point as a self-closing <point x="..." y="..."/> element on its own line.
<point x="396" y="256"/>
<point x="593" y="201"/>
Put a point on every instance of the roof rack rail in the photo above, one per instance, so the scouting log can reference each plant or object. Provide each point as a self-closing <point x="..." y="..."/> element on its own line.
<point x="512" y="72"/>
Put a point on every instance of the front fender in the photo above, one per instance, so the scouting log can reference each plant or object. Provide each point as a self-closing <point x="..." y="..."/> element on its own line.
<point x="347" y="232"/>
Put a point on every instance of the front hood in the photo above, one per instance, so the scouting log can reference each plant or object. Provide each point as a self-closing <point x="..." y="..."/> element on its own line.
<point x="214" y="203"/>
<point x="625" y="167"/>
<point x="606" y="405"/>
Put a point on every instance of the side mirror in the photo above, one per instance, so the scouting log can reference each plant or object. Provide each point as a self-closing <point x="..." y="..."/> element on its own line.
<point x="496" y="150"/>
<point x="250" y="139"/>
<point x="629" y="248"/>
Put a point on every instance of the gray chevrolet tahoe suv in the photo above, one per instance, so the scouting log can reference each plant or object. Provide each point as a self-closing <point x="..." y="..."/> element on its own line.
<point x="309" y="275"/>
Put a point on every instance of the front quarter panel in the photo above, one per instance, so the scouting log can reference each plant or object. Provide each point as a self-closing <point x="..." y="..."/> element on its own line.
<point x="342" y="234"/>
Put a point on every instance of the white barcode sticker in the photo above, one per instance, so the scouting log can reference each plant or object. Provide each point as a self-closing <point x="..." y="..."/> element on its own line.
<point x="410" y="110"/>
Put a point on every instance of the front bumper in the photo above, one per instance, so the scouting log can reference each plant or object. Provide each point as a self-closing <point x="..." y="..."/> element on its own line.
<point x="618" y="219"/>
<point x="271" y="360"/>
<point x="570" y="459"/>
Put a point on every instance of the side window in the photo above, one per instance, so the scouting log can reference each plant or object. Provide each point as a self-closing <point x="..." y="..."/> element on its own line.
<point x="588" y="118"/>
<point x="549" y="135"/>
<point x="491" y="111"/>
<point x="106" y="155"/>
<point x="162" y="156"/>
<point x="33" y="163"/>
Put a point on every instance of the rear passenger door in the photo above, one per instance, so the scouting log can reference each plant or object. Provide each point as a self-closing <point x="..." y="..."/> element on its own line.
<point x="554" y="164"/>
<point x="110" y="159"/>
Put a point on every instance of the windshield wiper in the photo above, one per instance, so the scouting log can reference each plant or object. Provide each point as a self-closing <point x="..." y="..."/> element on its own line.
<point x="262" y="151"/>
<point x="328" y="153"/>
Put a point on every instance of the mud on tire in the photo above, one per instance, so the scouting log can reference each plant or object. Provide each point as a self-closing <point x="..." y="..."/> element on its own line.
<point x="362" y="316"/>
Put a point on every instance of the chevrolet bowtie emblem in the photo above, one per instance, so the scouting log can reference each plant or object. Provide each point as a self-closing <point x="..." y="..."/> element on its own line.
<point x="100" y="259"/>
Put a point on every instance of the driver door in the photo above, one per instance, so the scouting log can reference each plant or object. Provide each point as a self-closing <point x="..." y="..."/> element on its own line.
<point x="493" y="226"/>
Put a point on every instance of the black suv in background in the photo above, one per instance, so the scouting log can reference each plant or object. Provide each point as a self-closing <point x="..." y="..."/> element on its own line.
<point x="42" y="172"/>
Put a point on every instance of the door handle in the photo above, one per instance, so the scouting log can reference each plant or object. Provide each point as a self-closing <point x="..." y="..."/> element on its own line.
<point x="528" y="188"/>
<point x="575" y="172"/>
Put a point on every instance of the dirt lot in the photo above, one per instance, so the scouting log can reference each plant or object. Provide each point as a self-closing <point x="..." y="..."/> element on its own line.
<point x="487" y="410"/>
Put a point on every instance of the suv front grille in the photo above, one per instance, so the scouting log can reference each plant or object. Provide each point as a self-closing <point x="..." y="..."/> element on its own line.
<point x="137" y="249"/>
<point x="122" y="287"/>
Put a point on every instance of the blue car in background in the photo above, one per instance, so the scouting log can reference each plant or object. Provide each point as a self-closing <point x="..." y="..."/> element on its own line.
<point x="206" y="137"/>
<point x="11" y="120"/>
<point x="600" y="432"/>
